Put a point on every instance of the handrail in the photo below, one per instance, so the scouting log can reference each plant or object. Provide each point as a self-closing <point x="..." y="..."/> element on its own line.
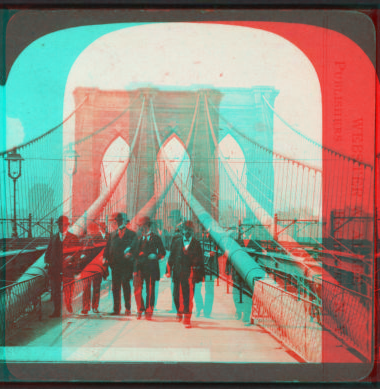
<point x="18" y="300"/>
<point x="249" y="293"/>
<point x="346" y="315"/>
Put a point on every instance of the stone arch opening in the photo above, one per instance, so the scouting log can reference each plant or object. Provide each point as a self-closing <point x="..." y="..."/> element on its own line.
<point x="117" y="152"/>
<point x="231" y="207"/>
<point x="173" y="208"/>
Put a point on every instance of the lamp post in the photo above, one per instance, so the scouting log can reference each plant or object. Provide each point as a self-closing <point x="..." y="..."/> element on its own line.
<point x="14" y="171"/>
<point x="70" y="156"/>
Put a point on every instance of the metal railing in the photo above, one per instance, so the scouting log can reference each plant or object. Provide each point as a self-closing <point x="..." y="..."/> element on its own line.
<point x="27" y="227"/>
<point x="289" y="318"/>
<point x="295" y="321"/>
<point x="347" y="314"/>
<point x="19" y="300"/>
<point x="299" y="323"/>
<point x="298" y="319"/>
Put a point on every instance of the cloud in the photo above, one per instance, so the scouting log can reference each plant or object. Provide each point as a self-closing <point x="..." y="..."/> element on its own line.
<point x="15" y="132"/>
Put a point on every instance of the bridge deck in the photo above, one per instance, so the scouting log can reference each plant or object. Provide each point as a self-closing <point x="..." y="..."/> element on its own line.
<point x="101" y="337"/>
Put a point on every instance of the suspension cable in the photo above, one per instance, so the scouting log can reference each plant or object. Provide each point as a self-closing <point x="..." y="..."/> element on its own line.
<point x="98" y="131"/>
<point x="46" y="133"/>
<point x="272" y="152"/>
<point x="311" y="140"/>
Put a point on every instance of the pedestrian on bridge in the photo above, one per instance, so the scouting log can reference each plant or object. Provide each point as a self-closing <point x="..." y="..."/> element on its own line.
<point x="186" y="269"/>
<point x="118" y="256"/>
<point x="60" y="259"/>
<point x="204" y="302"/>
<point x="242" y="306"/>
<point x="101" y="272"/>
<point x="148" y="249"/>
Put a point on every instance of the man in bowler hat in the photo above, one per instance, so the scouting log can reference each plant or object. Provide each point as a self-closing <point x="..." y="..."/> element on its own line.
<point x="118" y="256"/>
<point x="148" y="250"/>
<point x="186" y="268"/>
<point x="60" y="263"/>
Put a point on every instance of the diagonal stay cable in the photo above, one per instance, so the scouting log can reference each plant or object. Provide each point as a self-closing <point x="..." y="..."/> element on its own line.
<point x="112" y="190"/>
<point x="98" y="131"/>
<point x="231" y="173"/>
<point x="272" y="152"/>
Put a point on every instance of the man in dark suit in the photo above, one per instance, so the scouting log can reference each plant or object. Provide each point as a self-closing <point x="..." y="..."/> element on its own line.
<point x="148" y="249"/>
<point x="118" y="256"/>
<point x="186" y="268"/>
<point x="60" y="263"/>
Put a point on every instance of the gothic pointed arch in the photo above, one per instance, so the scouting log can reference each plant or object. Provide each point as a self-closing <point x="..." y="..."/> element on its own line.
<point x="231" y="207"/>
<point x="173" y="208"/>
<point x="117" y="152"/>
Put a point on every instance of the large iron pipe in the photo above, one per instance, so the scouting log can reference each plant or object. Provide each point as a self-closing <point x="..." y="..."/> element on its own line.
<point x="305" y="263"/>
<point x="245" y="265"/>
<point x="248" y="269"/>
<point x="38" y="268"/>
<point x="148" y="209"/>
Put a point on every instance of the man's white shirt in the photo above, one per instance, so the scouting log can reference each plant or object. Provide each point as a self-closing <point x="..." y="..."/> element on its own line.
<point x="186" y="242"/>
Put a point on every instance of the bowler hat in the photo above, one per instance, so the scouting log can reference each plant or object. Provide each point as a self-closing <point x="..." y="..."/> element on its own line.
<point x="144" y="221"/>
<point x="120" y="216"/>
<point x="188" y="224"/>
<point x="63" y="220"/>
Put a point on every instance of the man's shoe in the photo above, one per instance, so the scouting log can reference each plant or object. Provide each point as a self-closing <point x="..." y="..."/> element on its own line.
<point x="114" y="313"/>
<point x="238" y="315"/>
<point x="178" y="317"/>
<point x="198" y="313"/>
<point x="187" y="323"/>
<point x="127" y="312"/>
<point x="139" y="315"/>
<point x="84" y="312"/>
<point x="55" y="314"/>
<point x="95" y="310"/>
<point x="148" y="316"/>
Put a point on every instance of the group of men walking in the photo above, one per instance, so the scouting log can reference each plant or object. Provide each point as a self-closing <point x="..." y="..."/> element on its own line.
<point x="130" y="255"/>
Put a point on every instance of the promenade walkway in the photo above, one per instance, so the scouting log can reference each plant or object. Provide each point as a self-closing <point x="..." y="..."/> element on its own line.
<point x="101" y="337"/>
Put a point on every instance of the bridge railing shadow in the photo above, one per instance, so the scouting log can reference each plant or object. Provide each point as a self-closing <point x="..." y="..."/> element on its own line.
<point x="298" y="319"/>
<point x="289" y="318"/>
<point x="346" y="313"/>
<point x="19" y="300"/>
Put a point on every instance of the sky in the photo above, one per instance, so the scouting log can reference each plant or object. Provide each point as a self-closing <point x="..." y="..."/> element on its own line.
<point x="168" y="55"/>
<point x="38" y="92"/>
<point x="34" y="91"/>
<point x="187" y="55"/>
